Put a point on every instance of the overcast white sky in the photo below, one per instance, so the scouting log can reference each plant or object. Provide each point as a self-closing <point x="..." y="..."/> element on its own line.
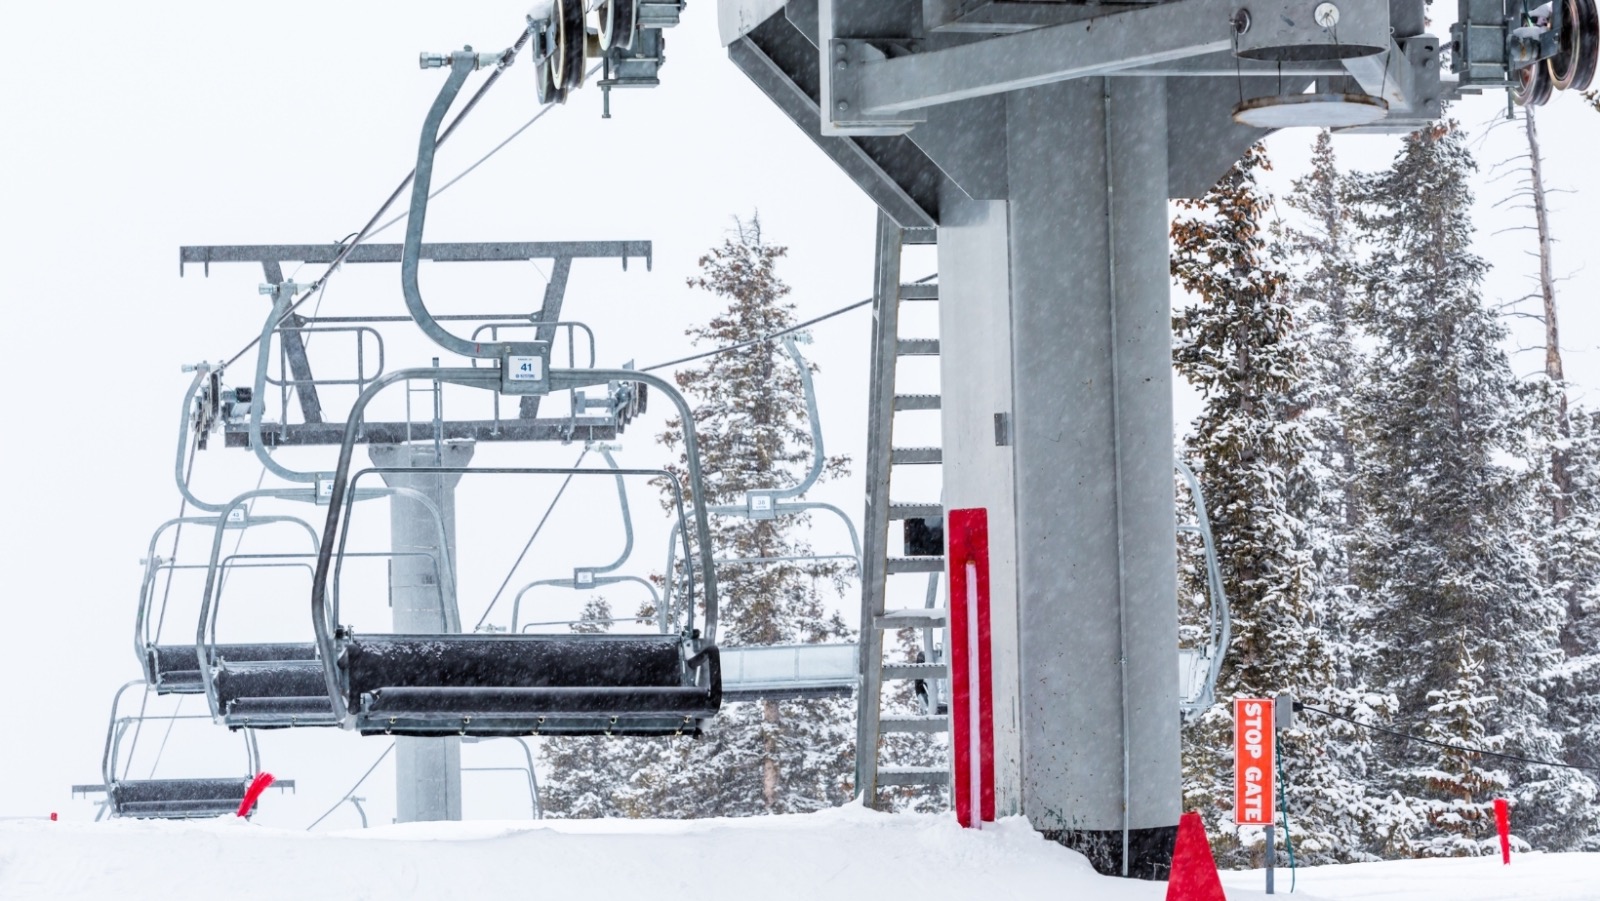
<point x="133" y="129"/>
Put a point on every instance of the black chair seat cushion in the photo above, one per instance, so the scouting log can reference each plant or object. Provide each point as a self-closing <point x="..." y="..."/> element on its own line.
<point x="180" y="794"/>
<point x="513" y="661"/>
<point x="687" y="701"/>
<point x="292" y="679"/>
<point x="177" y="667"/>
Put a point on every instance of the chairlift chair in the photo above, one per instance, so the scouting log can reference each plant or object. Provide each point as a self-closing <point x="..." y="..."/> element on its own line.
<point x="801" y="671"/>
<point x="255" y="685"/>
<point x="268" y="686"/>
<point x="173" y="668"/>
<point x="507" y="684"/>
<point x="1199" y="666"/>
<point x="515" y="684"/>
<point x="171" y="799"/>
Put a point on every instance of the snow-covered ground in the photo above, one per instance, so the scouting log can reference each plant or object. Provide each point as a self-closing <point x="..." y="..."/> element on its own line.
<point x="1530" y="877"/>
<point x="843" y="854"/>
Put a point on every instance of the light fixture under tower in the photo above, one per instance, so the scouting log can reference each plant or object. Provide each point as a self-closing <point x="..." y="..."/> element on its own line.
<point x="1324" y="110"/>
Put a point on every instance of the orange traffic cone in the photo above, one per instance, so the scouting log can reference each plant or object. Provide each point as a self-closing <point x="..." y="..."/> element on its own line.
<point x="1194" y="870"/>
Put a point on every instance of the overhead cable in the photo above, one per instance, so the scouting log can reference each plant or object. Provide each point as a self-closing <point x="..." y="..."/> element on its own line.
<point x="770" y="337"/>
<point x="1441" y="744"/>
<point x="366" y="230"/>
<point x="353" y="787"/>
<point x="531" y="538"/>
<point x="482" y="159"/>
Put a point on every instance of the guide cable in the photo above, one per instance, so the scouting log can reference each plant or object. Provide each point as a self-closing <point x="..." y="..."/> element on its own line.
<point x="1441" y="744"/>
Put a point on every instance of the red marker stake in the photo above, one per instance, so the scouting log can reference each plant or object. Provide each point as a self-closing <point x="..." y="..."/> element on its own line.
<point x="1502" y="821"/>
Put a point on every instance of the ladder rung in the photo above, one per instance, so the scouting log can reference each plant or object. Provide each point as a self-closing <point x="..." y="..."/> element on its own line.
<point x="915" y="671"/>
<point x="915" y="565"/>
<point x="913" y="724"/>
<point x="916" y="511"/>
<point x="913" y="617"/>
<point x="918" y="347"/>
<point x="916" y="402"/>
<point x="919" y="291"/>
<point x="905" y="455"/>
<point x="913" y="775"/>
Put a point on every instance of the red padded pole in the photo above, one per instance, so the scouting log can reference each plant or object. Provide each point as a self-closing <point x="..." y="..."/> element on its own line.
<point x="1502" y="821"/>
<point x="253" y="793"/>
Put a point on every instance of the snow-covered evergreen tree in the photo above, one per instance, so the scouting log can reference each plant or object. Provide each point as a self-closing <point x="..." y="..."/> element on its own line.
<point x="1572" y="556"/>
<point x="587" y="776"/>
<point x="1322" y="260"/>
<point x="1570" y="552"/>
<point x="750" y="416"/>
<point x="1239" y="344"/>
<point x="1445" y="552"/>
<point x="1461" y="807"/>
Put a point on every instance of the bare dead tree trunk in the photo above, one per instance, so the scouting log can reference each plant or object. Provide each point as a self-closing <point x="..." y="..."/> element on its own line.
<point x="1552" y="332"/>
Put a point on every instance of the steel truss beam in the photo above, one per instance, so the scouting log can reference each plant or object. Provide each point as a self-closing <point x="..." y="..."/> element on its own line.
<point x="582" y="428"/>
<point x="884" y="84"/>
<point x="271" y="257"/>
<point x="468" y="252"/>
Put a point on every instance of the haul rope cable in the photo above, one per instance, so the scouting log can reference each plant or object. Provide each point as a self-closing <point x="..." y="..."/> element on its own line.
<point x="483" y="159"/>
<point x="1441" y="744"/>
<point x="536" y="530"/>
<point x="353" y="787"/>
<point x="506" y="58"/>
<point x="775" y="335"/>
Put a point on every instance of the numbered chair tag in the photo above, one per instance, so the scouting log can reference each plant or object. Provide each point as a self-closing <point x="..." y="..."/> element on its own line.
<point x="525" y="369"/>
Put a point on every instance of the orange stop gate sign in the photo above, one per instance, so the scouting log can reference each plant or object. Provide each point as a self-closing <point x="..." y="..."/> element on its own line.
<point x="1254" y="789"/>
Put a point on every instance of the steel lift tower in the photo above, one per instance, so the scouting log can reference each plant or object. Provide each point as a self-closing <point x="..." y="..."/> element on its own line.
<point x="1042" y="139"/>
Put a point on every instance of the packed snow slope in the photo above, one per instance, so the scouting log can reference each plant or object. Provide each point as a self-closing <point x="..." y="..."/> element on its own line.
<point x="844" y="854"/>
<point x="838" y="855"/>
<point x="1530" y="877"/>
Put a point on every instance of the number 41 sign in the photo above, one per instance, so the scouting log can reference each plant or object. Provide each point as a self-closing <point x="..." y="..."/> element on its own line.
<point x="1253" y="755"/>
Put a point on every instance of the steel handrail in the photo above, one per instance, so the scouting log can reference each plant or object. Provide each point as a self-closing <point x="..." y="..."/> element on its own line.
<point x="599" y="582"/>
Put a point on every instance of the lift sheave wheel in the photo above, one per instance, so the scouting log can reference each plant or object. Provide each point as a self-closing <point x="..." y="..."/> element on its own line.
<point x="567" y="58"/>
<point x="548" y="87"/>
<point x="1531" y="85"/>
<point x="1588" y="57"/>
<point x="1563" y="65"/>
<point x="617" y="18"/>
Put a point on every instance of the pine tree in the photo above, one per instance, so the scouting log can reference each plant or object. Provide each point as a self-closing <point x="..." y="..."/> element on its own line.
<point x="586" y="776"/>
<point x="1461" y="808"/>
<point x="1323" y="261"/>
<point x="1239" y="344"/>
<point x="1444" y="553"/>
<point x="750" y="417"/>
<point x="1571" y="550"/>
<point x="1572" y="555"/>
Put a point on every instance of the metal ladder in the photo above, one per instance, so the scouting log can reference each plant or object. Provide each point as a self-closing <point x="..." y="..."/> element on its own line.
<point x="878" y="566"/>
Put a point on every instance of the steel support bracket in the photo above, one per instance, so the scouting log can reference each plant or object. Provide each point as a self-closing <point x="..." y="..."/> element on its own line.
<point x="886" y="89"/>
<point x="1480" y="43"/>
<point x="1406" y="77"/>
<point x="659" y="13"/>
<point x="847" y="59"/>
